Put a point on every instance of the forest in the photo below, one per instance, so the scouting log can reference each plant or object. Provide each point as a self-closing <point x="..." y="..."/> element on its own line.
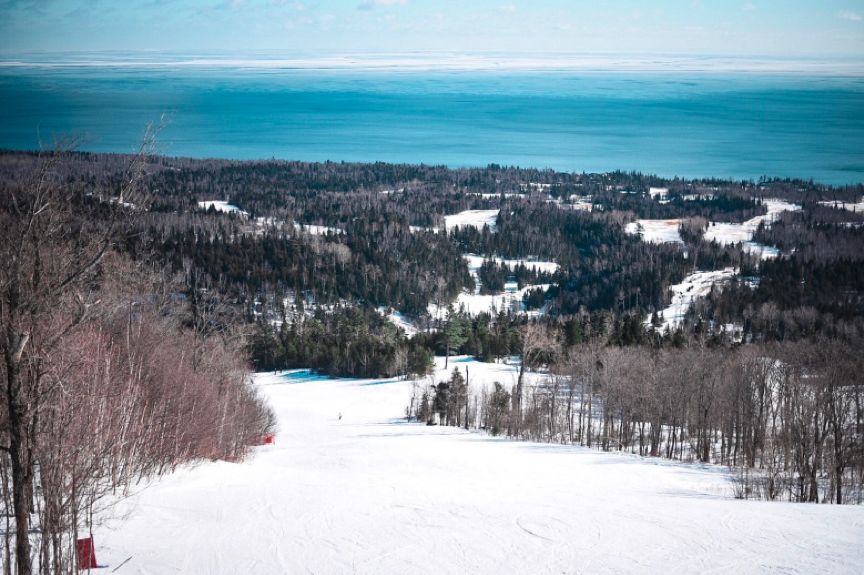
<point x="110" y="377"/>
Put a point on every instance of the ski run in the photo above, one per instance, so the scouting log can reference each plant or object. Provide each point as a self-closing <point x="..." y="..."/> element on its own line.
<point x="372" y="494"/>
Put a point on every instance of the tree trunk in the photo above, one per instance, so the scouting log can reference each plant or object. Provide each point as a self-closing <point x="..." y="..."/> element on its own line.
<point x="19" y="457"/>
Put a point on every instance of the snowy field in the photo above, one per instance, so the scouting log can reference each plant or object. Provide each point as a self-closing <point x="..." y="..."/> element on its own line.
<point x="727" y="233"/>
<point x="666" y="231"/>
<point x="699" y="284"/>
<point x="508" y="301"/>
<point x="857" y="207"/>
<point x="474" y="303"/>
<point x="471" y="218"/>
<point x="222" y="206"/>
<point x="474" y="262"/>
<point x="371" y="494"/>
<point x="656" y="231"/>
<point x="314" y="230"/>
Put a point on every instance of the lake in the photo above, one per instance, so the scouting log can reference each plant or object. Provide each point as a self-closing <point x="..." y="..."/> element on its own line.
<point x="737" y="125"/>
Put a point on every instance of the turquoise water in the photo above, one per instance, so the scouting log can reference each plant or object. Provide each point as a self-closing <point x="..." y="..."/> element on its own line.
<point x="692" y="125"/>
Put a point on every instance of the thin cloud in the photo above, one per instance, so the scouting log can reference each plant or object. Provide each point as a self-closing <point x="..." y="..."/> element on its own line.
<point x="850" y="15"/>
<point x="372" y="4"/>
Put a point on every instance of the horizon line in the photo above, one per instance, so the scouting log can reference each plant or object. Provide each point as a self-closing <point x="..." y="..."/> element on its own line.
<point x="435" y="60"/>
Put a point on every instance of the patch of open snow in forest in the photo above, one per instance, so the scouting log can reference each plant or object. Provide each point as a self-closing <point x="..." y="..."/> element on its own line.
<point x="474" y="262"/>
<point x="314" y="230"/>
<point x="858" y="207"/>
<point x="729" y="233"/>
<point x="421" y="229"/>
<point x="222" y="206"/>
<point x="489" y="196"/>
<point x="510" y="301"/>
<point x="656" y="231"/>
<point x="399" y="320"/>
<point x="371" y="494"/>
<point x="471" y="218"/>
<point x="660" y="193"/>
<point x="694" y="286"/>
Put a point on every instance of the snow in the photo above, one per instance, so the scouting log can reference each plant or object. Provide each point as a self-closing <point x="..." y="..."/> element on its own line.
<point x="509" y="301"/>
<point x="656" y="231"/>
<point x="489" y="196"/>
<point x="471" y="218"/>
<point x="400" y="320"/>
<point x="666" y="231"/>
<point x="694" y="286"/>
<point x="659" y="193"/>
<point x="314" y="230"/>
<point x="421" y="229"/>
<point x="222" y="206"/>
<point x="371" y="494"/>
<point x="474" y="303"/>
<point x="474" y="262"/>
<point x="857" y="207"/>
<point x="727" y="233"/>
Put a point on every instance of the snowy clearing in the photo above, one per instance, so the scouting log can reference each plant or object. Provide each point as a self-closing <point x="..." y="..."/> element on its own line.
<point x="727" y="233"/>
<point x="372" y="494"/>
<point x="222" y="206"/>
<point x="694" y="286"/>
<point x="474" y="262"/>
<point x="315" y="230"/>
<point x="400" y="320"/>
<point x="658" y="193"/>
<point x="421" y="229"/>
<point x="656" y="231"/>
<point x="666" y="231"/>
<point x="510" y="301"/>
<point x="857" y="207"/>
<point x="471" y="218"/>
<point x="487" y="196"/>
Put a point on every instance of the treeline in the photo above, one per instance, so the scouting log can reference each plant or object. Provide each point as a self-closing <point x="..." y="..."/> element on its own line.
<point x="108" y="375"/>
<point x="344" y="341"/>
<point x="789" y="418"/>
<point x="367" y="265"/>
<point x="735" y="205"/>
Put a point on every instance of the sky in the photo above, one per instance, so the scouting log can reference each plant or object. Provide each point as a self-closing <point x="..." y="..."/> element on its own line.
<point x="773" y="28"/>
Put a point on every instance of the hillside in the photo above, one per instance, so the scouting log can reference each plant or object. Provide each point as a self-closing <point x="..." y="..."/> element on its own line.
<point x="371" y="493"/>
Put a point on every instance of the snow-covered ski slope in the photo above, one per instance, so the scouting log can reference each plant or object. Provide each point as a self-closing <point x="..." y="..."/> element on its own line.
<point x="371" y="494"/>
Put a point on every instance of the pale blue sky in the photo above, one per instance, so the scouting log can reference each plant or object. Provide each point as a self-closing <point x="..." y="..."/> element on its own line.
<point x="817" y="28"/>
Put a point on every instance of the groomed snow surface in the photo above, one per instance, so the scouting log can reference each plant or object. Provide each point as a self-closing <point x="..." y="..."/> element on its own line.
<point x="371" y="494"/>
